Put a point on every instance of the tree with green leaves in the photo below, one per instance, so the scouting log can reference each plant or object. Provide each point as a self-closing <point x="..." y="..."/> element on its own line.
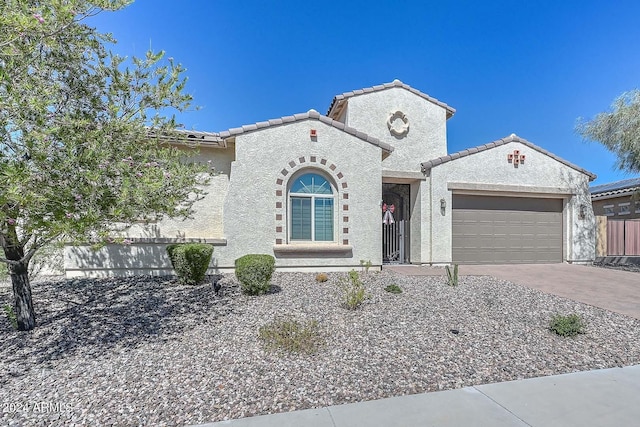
<point x="87" y="145"/>
<point x="618" y="130"/>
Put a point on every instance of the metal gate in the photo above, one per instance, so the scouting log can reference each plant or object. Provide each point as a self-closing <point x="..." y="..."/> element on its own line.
<point x="393" y="242"/>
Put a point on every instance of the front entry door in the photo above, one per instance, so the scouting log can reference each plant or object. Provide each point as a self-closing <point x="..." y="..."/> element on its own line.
<point x="395" y="224"/>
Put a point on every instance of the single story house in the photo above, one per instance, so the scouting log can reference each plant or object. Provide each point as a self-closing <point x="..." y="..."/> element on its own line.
<point x="371" y="180"/>
<point x="617" y="200"/>
<point x="619" y="204"/>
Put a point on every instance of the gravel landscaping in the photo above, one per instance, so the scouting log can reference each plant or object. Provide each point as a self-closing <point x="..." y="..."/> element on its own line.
<point x="148" y="351"/>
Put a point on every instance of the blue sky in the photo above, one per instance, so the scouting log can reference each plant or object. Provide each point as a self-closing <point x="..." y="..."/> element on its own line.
<point x="525" y="67"/>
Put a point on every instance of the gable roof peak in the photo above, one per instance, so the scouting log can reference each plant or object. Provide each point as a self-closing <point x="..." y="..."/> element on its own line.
<point x="426" y="166"/>
<point x="339" y="101"/>
<point x="309" y="115"/>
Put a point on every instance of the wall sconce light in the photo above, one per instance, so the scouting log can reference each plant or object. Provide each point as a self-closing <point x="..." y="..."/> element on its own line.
<point x="443" y="206"/>
<point x="582" y="214"/>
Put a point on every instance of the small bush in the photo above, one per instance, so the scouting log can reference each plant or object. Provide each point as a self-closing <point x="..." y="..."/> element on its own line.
<point x="292" y="336"/>
<point x="190" y="261"/>
<point x="452" y="276"/>
<point x="254" y="273"/>
<point x="353" y="290"/>
<point x="394" y="289"/>
<point x="366" y="265"/>
<point x="567" y="326"/>
<point x="322" y="277"/>
<point x="11" y="315"/>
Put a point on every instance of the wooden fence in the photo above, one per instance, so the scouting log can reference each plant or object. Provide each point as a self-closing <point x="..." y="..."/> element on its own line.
<point x="623" y="237"/>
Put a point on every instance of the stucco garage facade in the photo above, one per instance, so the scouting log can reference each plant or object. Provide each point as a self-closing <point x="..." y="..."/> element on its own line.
<point x="314" y="191"/>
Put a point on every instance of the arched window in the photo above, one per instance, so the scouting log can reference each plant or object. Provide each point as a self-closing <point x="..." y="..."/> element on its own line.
<point x="311" y="201"/>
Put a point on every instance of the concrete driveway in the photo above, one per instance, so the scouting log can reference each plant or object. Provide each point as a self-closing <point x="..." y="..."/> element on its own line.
<point x="613" y="290"/>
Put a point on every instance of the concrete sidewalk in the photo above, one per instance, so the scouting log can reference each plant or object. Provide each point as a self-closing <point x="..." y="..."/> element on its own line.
<point x="607" y="397"/>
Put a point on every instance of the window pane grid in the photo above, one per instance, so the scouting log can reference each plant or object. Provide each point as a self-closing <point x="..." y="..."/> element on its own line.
<point x="300" y="218"/>
<point x="311" y="201"/>
<point x="323" y="219"/>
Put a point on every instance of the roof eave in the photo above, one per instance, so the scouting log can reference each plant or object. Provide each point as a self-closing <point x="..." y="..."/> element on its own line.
<point x="427" y="166"/>
<point x="343" y="98"/>
<point x="230" y="134"/>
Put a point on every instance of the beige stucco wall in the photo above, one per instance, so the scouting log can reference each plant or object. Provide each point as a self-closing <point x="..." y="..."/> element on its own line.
<point x="251" y="205"/>
<point x="149" y="257"/>
<point x="601" y="235"/>
<point x="490" y="173"/>
<point x="427" y="136"/>
<point x="207" y="220"/>
<point x="241" y="206"/>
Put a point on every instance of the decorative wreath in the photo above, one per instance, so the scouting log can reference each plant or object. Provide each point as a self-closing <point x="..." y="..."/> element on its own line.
<point x="404" y="129"/>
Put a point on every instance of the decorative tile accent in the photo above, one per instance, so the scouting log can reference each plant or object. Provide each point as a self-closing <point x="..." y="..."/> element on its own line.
<point x="345" y="241"/>
<point x="281" y="193"/>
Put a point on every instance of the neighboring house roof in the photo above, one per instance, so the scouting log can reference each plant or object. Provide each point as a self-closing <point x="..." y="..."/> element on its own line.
<point x="339" y="101"/>
<point x="511" y="138"/>
<point x="612" y="189"/>
<point x="208" y="139"/>
<point x="310" y="115"/>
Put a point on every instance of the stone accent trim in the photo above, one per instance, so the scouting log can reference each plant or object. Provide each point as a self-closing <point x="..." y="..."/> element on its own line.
<point x="341" y="198"/>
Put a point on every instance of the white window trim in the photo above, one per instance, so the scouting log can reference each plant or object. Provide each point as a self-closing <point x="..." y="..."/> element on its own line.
<point x="625" y="205"/>
<point x="612" y="213"/>
<point x="313" y="197"/>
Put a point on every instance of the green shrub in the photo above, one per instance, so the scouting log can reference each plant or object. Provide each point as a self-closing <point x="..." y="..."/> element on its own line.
<point x="394" y="289"/>
<point x="254" y="273"/>
<point x="353" y="290"/>
<point x="322" y="277"/>
<point x="366" y="265"/>
<point x="452" y="276"/>
<point x="11" y="315"/>
<point x="190" y="261"/>
<point x="567" y="326"/>
<point x="292" y="336"/>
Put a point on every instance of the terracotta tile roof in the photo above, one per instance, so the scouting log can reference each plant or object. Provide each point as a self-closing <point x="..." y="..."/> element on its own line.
<point x="511" y="138"/>
<point x="310" y="115"/>
<point x="338" y="100"/>
<point x="614" y="188"/>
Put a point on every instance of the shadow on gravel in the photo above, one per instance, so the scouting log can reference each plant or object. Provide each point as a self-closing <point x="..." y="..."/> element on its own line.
<point x="94" y="315"/>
